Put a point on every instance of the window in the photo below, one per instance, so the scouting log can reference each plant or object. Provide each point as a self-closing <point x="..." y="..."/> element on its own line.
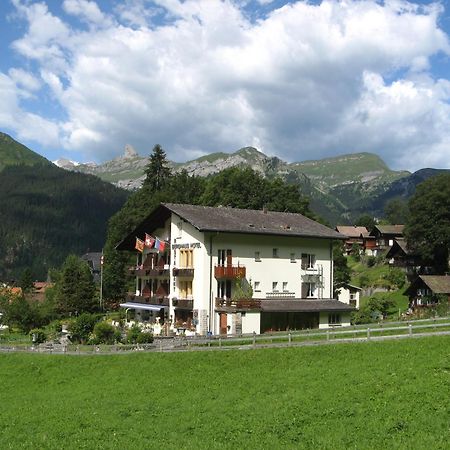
<point x="285" y="286"/>
<point x="179" y="230"/>
<point x="353" y="303"/>
<point x="186" y="258"/>
<point x="257" y="257"/>
<point x="308" y="290"/>
<point x="334" y="319"/>
<point x="293" y="258"/>
<point x="257" y="286"/>
<point x="186" y="289"/>
<point x="352" y="296"/>
<point x="308" y="261"/>
<point x="275" y="253"/>
<point x="274" y="286"/>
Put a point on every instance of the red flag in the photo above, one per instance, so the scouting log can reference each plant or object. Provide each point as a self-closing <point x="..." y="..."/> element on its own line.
<point x="149" y="241"/>
<point x="139" y="245"/>
<point x="162" y="246"/>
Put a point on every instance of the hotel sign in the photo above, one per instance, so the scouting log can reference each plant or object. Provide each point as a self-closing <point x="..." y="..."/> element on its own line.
<point x="187" y="245"/>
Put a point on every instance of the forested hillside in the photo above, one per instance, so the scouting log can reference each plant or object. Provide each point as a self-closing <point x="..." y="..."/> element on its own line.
<point x="47" y="213"/>
<point x="14" y="153"/>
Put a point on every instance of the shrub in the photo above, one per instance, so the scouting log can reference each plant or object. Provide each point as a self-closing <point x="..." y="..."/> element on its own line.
<point x="133" y="334"/>
<point x="104" y="333"/>
<point x="145" y="338"/>
<point x="371" y="261"/>
<point x="363" y="281"/>
<point x="396" y="278"/>
<point x="38" y="336"/>
<point x="83" y="326"/>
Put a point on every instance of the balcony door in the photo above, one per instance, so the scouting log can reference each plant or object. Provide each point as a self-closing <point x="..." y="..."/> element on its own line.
<point x="225" y="256"/>
<point x="224" y="289"/>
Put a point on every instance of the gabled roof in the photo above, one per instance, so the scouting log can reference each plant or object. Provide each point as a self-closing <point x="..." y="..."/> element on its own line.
<point x="389" y="229"/>
<point x="399" y="245"/>
<point x="326" y="305"/>
<point x="439" y="284"/>
<point x="352" y="231"/>
<point x="232" y="220"/>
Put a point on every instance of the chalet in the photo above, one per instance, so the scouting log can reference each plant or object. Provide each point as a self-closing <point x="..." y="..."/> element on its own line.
<point x="423" y="290"/>
<point x="232" y="271"/>
<point x="358" y="236"/>
<point x="386" y="234"/>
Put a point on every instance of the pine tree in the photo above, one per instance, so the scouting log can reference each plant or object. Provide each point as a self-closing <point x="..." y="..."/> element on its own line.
<point x="157" y="171"/>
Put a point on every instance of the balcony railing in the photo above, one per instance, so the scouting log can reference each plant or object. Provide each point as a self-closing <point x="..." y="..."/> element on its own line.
<point x="183" y="272"/>
<point x="229" y="272"/>
<point x="238" y="304"/>
<point x="183" y="303"/>
<point x="148" y="299"/>
<point x="157" y="271"/>
<point x="283" y="295"/>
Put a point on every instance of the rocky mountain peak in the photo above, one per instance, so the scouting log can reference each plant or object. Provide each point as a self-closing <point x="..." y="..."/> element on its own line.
<point x="130" y="152"/>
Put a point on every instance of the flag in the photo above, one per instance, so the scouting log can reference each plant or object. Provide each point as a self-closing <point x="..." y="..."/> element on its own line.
<point x="149" y="241"/>
<point x="157" y="244"/>
<point x="139" y="245"/>
<point x="162" y="246"/>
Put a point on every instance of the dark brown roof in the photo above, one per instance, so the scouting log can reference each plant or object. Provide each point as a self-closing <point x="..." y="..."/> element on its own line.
<point x="390" y="229"/>
<point x="398" y="245"/>
<point x="298" y="305"/>
<point x="232" y="220"/>
<point x="439" y="284"/>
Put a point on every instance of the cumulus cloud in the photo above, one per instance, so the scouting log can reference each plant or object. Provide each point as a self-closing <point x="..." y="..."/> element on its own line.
<point x="305" y="81"/>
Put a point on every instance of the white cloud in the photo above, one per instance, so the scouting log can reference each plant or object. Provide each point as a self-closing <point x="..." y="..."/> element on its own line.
<point x="26" y="125"/>
<point x="306" y="81"/>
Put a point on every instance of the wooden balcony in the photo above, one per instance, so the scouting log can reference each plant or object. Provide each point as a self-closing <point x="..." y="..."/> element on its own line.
<point x="238" y="305"/>
<point x="183" y="303"/>
<point x="229" y="272"/>
<point x="140" y="271"/>
<point x="148" y="299"/>
<point x="183" y="272"/>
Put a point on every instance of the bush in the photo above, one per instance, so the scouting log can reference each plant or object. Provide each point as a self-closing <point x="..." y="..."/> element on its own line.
<point x="363" y="281"/>
<point x="395" y="278"/>
<point x="133" y="334"/>
<point x="38" y="336"/>
<point x="83" y="326"/>
<point x="145" y="338"/>
<point x="371" y="261"/>
<point x="104" y="333"/>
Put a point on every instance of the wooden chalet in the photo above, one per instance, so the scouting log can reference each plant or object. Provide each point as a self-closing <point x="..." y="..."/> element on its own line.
<point x="422" y="290"/>
<point x="386" y="234"/>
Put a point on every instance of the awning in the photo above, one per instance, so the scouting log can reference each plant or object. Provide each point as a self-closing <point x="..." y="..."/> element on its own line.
<point x="142" y="306"/>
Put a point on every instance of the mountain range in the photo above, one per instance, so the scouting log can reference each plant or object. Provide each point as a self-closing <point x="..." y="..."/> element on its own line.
<point x="340" y="188"/>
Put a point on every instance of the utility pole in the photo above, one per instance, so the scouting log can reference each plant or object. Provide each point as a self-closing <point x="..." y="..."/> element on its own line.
<point x="101" y="282"/>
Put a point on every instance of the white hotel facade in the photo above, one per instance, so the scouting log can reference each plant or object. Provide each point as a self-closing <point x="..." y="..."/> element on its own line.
<point x="233" y="271"/>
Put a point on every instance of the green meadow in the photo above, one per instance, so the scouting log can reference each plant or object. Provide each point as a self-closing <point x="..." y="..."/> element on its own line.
<point x="364" y="396"/>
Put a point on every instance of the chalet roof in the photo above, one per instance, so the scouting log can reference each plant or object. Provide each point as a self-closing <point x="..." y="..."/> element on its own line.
<point x="352" y="231"/>
<point x="298" y="305"/>
<point x="232" y="220"/>
<point x="389" y="229"/>
<point x="438" y="284"/>
<point x="398" y="245"/>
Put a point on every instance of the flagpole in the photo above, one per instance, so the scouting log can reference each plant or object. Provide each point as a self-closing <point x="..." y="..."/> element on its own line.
<point x="101" y="282"/>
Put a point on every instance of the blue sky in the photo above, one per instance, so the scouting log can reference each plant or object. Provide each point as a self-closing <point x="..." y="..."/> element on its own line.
<point x="299" y="80"/>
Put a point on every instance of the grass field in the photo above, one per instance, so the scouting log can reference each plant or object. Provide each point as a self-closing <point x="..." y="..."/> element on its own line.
<point x="372" y="395"/>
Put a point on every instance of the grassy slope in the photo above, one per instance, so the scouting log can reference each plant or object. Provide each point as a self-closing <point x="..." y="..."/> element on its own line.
<point x="374" y="395"/>
<point x="14" y="153"/>
<point x="375" y="278"/>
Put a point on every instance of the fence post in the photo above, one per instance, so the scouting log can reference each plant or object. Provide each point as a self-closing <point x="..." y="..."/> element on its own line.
<point x="160" y="345"/>
<point x="220" y="341"/>
<point x="290" y="338"/>
<point x="410" y="329"/>
<point x="254" y="339"/>
<point x="368" y="334"/>
<point x="328" y="335"/>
